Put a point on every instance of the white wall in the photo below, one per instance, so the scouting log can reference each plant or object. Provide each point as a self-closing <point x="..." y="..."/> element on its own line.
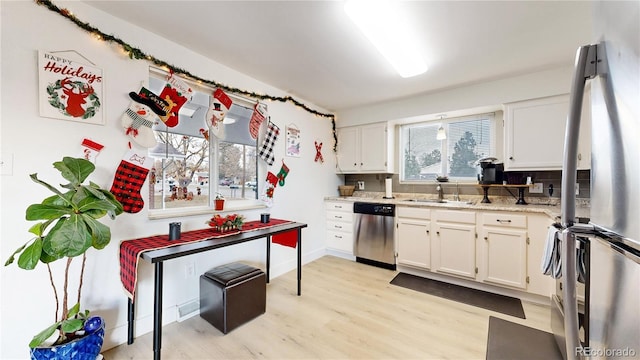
<point x="464" y="100"/>
<point x="26" y="304"/>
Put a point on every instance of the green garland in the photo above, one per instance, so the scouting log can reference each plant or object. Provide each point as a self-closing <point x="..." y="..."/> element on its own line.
<point x="135" y="53"/>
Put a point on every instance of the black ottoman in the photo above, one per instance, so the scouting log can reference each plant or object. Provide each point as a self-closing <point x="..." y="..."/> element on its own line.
<point x="231" y="295"/>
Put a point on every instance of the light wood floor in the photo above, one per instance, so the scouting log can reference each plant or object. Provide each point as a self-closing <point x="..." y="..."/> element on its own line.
<point x="347" y="311"/>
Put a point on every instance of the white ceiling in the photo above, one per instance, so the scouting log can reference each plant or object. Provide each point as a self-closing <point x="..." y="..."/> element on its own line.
<point x="311" y="50"/>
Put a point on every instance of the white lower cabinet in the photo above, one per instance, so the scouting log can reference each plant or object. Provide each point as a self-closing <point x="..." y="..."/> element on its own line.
<point x="413" y="226"/>
<point x="454" y="243"/>
<point x="503" y="249"/>
<point x="498" y="248"/>
<point x="339" y="228"/>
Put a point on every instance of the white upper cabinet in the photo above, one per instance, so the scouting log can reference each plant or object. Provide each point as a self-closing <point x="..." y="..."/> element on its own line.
<point x="534" y="134"/>
<point x="365" y="149"/>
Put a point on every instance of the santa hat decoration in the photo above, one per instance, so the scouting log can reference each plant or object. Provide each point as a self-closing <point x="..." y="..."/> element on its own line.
<point x="218" y="106"/>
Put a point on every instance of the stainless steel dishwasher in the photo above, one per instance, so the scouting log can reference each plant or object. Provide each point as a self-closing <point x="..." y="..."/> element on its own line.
<point x="374" y="237"/>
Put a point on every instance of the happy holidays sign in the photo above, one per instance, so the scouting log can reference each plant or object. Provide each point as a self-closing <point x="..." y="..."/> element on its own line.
<point x="69" y="90"/>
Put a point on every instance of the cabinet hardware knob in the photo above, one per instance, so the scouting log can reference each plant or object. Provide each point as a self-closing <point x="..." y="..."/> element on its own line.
<point x="338" y="236"/>
<point x="501" y="221"/>
<point x="427" y="231"/>
<point x="338" y="216"/>
<point x="510" y="157"/>
<point x="338" y="227"/>
<point x="486" y="238"/>
<point x="437" y="232"/>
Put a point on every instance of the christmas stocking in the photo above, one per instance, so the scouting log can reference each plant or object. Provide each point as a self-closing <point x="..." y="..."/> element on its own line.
<point x="284" y="171"/>
<point x="269" y="188"/>
<point x="138" y="120"/>
<point x="258" y="116"/>
<point x="266" y="151"/>
<point x="129" y="178"/>
<point x="218" y="106"/>
<point x="176" y="93"/>
<point x="90" y="149"/>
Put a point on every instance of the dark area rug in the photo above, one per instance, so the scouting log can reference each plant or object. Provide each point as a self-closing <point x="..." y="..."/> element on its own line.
<point x="509" y="341"/>
<point x="503" y="304"/>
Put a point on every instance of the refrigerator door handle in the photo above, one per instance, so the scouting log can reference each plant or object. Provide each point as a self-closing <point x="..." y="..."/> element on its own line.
<point x="585" y="68"/>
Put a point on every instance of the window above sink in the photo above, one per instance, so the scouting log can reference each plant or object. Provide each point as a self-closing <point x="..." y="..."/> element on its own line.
<point x="425" y="157"/>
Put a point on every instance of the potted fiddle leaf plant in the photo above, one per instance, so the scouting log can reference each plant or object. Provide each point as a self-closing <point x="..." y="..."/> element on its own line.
<point x="67" y="226"/>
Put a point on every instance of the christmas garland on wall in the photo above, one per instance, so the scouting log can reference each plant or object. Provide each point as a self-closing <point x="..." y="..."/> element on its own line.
<point x="135" y="53"/>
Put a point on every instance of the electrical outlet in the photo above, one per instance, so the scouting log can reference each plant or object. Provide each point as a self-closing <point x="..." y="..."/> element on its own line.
<point x="190" y="270"/>
<point x="360" y="185"/>
<point x="577" y="189"/>
<point x="536" y="188"/>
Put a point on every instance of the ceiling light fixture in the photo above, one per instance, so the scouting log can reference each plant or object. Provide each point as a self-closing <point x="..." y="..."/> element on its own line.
<point x="387" y="30"/>
<point x="442" y="135"/>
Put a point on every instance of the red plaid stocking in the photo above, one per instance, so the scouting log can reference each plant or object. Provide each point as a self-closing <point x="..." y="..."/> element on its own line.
<point x="128" y="180"/>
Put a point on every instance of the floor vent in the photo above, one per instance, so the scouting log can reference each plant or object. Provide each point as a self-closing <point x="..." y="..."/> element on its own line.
<point x="188" y="310"/>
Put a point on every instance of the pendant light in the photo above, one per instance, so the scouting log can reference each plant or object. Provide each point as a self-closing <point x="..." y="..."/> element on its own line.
<point x="442" y="135"/>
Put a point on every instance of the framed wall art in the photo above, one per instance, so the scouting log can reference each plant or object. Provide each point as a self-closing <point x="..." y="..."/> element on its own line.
<point x="70" y="89"/>
<point x="293" y="141"/>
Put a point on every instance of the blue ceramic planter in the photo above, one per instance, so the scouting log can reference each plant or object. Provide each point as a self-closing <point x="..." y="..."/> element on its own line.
<point x="85" y="348"/>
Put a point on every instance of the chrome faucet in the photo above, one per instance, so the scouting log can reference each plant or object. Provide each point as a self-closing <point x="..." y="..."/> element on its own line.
<point x="440" y="192"/>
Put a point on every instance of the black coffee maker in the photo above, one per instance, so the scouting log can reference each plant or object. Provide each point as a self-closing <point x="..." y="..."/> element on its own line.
<point x="490" y="171"/>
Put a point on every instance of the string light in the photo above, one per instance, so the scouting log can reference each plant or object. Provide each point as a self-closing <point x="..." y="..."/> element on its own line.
<point x="135" y="53"/>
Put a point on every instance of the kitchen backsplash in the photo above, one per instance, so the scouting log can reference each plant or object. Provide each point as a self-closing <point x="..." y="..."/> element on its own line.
<point x="376" y="183"/>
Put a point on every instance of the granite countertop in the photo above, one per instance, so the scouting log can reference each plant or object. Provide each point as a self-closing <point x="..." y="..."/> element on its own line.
<point x="498" y="203"/>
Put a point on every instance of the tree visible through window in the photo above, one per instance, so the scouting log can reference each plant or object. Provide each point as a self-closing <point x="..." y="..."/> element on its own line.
<point x="191" y="165"/>
<point x="425" y="157"/>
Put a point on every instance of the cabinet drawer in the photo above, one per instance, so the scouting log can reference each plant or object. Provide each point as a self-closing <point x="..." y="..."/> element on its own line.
<point x="412" y="212"/>
<point x="340" y="216"/>
<point x="465" y="217"/>
<point x="340" y="226"/>
<point x="505" y="220"/>
<point x="339" y="206"/>
<point x="340" y="241"/>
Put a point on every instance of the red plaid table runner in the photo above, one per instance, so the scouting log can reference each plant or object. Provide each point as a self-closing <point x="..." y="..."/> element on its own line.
<point x="130" y="250"/>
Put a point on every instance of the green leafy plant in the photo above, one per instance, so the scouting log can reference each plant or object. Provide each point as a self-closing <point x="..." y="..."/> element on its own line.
<point x="67" y="227"/>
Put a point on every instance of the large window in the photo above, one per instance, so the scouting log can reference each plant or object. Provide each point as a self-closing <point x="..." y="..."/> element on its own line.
<point x="425" y="157"/>
<point x="191" y="166"/>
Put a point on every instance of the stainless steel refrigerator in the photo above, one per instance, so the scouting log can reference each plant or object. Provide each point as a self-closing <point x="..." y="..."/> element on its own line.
<point x="611" y="67"/>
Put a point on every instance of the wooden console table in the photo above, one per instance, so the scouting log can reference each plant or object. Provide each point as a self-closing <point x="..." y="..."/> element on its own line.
<point x="158" y="256"/>
<point x="486" y="187"/>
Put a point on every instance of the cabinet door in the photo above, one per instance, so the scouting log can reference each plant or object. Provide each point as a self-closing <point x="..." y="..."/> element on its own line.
<point x="454" y="250"/>
<point x="534" y="133"/>
<point x="504" y="257"/>
<point x="414" y="243"/>
<point x="348" y="149"/>
<point x="373" y="147"/>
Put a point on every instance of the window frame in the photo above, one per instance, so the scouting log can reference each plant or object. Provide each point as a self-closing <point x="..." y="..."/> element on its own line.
<point x="444" y="145"/>
<point x="230" y="204"/>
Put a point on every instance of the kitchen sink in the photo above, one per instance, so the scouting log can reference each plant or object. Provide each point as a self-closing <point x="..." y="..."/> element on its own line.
<point x="436" y="201"/>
